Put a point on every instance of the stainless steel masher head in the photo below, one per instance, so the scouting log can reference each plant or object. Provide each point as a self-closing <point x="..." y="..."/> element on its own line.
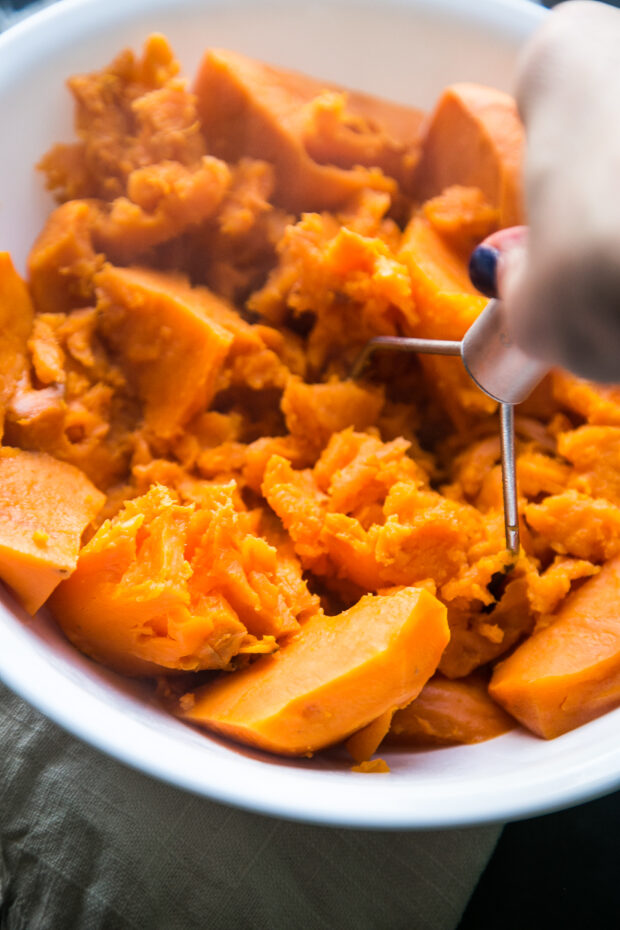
<point x="499" y="368"/>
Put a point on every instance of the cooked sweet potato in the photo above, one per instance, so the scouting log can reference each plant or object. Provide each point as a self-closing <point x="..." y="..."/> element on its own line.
<point x="363" y="744"/>
<point x="168" y="342"/>
<point x="474" y="138"/>
<point x="448" y="712"/>
<point x="332" y="678"/>
<point x="569" y="672"/>
<point x="166" y="586"/>
<point x="16" y="319"/>
<point x="318" y="142"/>
<point x="45" y="507"/>
<point x="199" y="300"/>
<point x="577" y="524"/>
<point x="314" y="412"/>
<point x="62" y="260"/>
<point x="163" y="201"/>
<point x="462" y="217"/>
<point x="134" y="112"/>
<point x="447" y="304"/>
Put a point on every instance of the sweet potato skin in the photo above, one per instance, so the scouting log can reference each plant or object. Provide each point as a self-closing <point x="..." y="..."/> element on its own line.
<point x="332" y="678"/>
<point x="569" y="672"/>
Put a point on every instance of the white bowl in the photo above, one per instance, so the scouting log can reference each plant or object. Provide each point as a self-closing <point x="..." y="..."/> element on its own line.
<point x="405" y="50"/>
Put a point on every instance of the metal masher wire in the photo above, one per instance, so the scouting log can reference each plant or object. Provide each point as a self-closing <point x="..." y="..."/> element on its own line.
<point x="499" y="368"/>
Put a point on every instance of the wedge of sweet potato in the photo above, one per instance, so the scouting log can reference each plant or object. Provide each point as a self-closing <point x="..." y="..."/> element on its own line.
<point x="569" y="672"/>
<point x="45" y="505"/>
<point x="332" y="678"/>
<point x="474" y="137"/>
<point x="170" y="345"/>
<point x="363" y="744"/>
<point x="447" y="712"/>
<point x="322" y="144"/>
<point x="447" y="304"/>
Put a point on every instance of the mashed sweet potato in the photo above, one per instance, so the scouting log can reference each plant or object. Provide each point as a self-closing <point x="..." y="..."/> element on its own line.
<point x="206" y="496"/>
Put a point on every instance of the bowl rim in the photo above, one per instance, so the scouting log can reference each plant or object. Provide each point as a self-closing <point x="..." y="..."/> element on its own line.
<point x="331" y="798"/>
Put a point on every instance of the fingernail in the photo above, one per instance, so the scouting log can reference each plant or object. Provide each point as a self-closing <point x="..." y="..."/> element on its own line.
<point x="483" y="269"/>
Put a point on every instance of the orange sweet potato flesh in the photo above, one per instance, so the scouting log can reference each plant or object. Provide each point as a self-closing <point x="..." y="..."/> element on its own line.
<point x="167" y="339"/>
<point x="249" y="108"/>
<point x="448" y="712"/>
<point x="569" y="672"/>
<point x="474" y="138"/>
<point x="447" y="304"/>
<point x="363" y="744"/>
<point x="62" y="260"/>
<point x="45" y="505"/>
<point x="169" y="586"/>
<point x="333" y="678"/>
<point x="16" y="318"/>
<point x="240" y="464"/>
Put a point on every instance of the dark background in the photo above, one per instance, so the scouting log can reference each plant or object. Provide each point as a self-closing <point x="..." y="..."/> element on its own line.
<point x="557" y="871"/>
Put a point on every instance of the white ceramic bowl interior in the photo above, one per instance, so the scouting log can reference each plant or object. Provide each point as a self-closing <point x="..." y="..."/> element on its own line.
<point x="403" y="49"/>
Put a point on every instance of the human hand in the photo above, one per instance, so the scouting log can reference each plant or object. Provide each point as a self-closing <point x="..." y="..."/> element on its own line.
<point x="560" y="279"/>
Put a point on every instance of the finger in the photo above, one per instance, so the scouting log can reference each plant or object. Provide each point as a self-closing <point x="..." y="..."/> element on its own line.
<point x="490" y="260"/>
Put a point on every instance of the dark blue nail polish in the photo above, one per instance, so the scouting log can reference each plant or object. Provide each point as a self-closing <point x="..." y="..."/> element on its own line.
<point x="483" y="269"/>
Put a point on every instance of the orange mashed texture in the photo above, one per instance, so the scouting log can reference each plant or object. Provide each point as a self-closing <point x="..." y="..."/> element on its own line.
<point x="183" y="342"/>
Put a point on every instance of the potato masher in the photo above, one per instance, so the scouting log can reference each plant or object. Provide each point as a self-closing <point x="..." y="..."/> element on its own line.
<point x="499" y="368"/>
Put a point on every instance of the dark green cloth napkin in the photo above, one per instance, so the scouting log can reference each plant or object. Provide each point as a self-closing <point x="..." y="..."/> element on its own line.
<point x="88" y="844"/>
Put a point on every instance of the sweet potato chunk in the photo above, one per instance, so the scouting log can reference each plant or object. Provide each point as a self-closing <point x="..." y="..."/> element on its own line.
<point x="569" y="672"/>
<point x="447" y="304"/>
<point x="170" y="345"/>
<point x="166" y="586"/>
<point x="163" y="201"/>
<point x="62" y="260"/>
<point x="363" y="744"/>
<point x="16" y="318"/>
<point x="447" y="712"/>
<point x="314" y="412"/>
<point x="474" y="138"/>
<point x="132" y="113"/>
<point x="45" y="505"/>
<point x="351" y="283"/>
<point x="462" y="217"/>
<point x="574" y="523"/>
<point x="334" y="677"/>
<point x="248" y="108"/>
<point x="599" y="404"/>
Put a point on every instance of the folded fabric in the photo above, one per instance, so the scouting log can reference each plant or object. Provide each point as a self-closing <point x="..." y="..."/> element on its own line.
<point x="86" y="843"/>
